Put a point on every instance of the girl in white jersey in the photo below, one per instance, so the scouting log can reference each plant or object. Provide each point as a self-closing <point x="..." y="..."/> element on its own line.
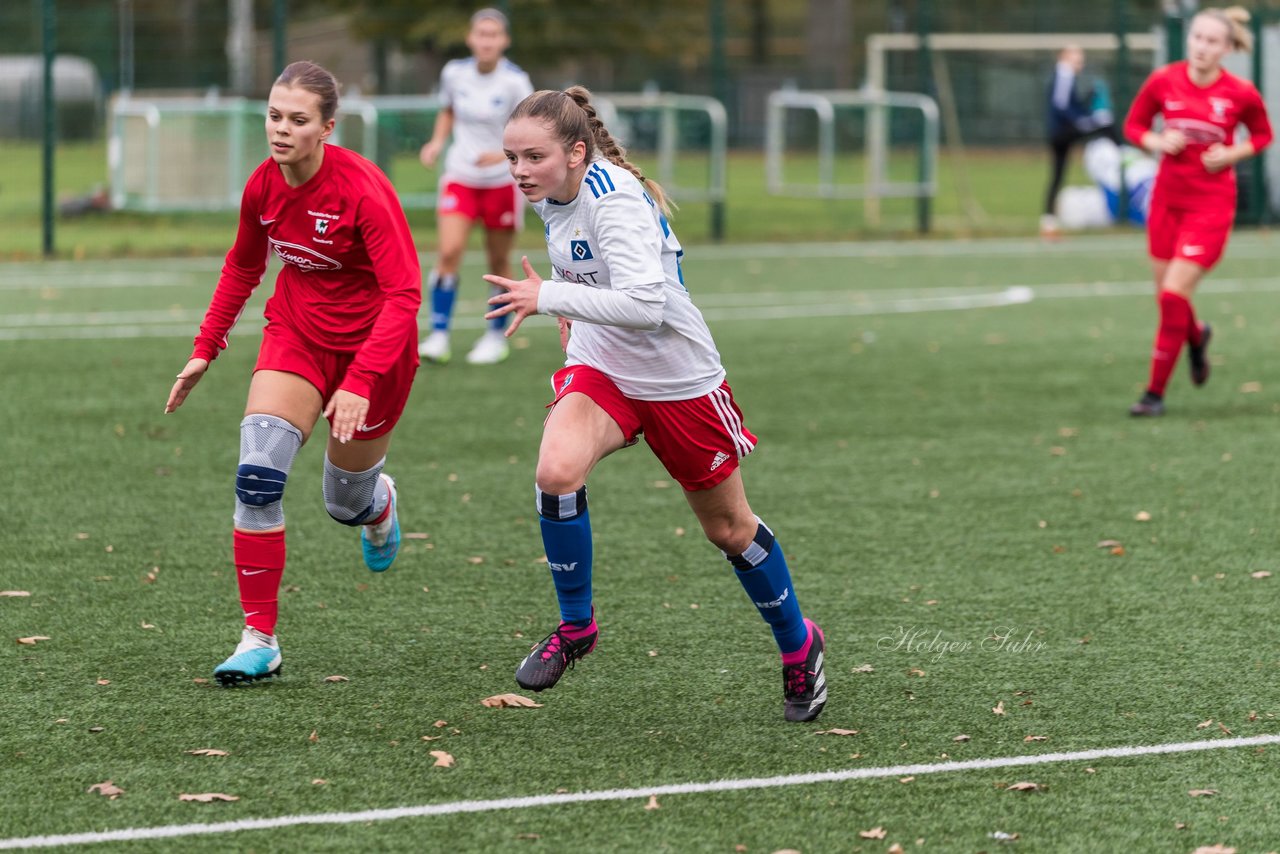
<point x="478" y="94"/>
<point x="640" y="360"/>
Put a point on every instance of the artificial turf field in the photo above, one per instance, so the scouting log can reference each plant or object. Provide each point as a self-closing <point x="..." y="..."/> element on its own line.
<point x="942" y="451"/>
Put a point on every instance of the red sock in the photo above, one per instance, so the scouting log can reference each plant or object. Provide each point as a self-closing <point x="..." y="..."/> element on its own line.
<point x="259" y="560"/>
<point x="1177" y="320"/>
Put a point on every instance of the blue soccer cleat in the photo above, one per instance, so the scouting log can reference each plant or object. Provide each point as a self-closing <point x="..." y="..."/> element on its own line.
<point x="381" y="542"/>
<point x="257" y="657"/>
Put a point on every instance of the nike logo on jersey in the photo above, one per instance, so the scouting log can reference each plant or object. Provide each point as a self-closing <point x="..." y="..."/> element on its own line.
<point x="265" y="221"/>
<point x="252" y="571"/>
<point x="366" y="428"/>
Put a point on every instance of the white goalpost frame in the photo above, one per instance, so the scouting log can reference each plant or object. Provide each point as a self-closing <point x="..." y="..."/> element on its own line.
<point x="879" y="45"/>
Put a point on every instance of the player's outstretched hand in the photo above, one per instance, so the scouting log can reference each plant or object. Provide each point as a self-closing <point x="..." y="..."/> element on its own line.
<point x="429" y="152"/>
<point x="518" y="297"/>
<point x="346" y="411"/>
<point x="187" y="379"/>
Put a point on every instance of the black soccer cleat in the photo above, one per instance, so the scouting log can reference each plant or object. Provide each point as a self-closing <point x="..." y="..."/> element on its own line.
<point x="543" y="667"/>
<point x="804" y="686"/>
<point x="1148" y="406"/>
<point x="1199" y="364"/>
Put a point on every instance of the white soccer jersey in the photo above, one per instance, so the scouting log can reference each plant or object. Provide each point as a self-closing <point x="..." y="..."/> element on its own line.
<point x="481" y="104"/>
<point x="616" y="274"/>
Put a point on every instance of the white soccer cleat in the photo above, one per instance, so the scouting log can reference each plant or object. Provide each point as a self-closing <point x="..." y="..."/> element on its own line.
<point x="490" y="349"/>
<point x="435" y="347"/>
<point x="256" y="657"/>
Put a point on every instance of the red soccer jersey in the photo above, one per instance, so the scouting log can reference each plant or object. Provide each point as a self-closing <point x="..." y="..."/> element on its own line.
<point x="351" y="282"/>
<point x="1205" y="115"/>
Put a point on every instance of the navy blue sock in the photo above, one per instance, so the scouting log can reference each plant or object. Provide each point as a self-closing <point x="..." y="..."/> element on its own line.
<point x="443" y="291"/>
<point x="762" y="569"/>
<point x="566" y="535"/>
<point x="498" y="324"/>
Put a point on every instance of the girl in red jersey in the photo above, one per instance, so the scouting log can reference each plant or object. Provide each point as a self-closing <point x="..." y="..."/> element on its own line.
<point x="1194" y="201"/>
<point x="340" y="340"/>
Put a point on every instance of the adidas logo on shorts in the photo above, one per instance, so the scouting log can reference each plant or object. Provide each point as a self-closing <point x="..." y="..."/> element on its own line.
<point x="721" y="457"/>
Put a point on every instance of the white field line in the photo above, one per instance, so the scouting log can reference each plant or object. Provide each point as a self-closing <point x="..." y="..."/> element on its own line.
<point x="53" y="326"/>
<point x="16" y="276"/>
<point x="137" y="324"/>
<point x="534" y="801"/>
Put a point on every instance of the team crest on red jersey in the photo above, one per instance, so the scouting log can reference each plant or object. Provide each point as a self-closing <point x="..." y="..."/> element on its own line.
<point x="322" y="226"/>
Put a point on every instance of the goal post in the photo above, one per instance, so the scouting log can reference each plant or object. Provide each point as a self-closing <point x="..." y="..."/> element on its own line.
<point x="880" y="46"/>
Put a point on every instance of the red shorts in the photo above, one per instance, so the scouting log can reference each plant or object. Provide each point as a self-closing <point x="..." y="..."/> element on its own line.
<point x="283" y="350"/>
<point x="1191" y="234"/>
<point x="699" y="441"/>
<point x="495" y="207"/>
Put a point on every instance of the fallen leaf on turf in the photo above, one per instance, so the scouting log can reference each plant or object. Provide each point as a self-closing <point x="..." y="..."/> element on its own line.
<point x="998" y="708"/>
<point x="740" y="849"/>
<point x="1036" y="738"/>
<point x="97" y="729"/>
<point x="652" y="803"/>
<point x="1142" y="516"/>
<point x="432" y="737"/>
<point x="1214" y="849"/>
<point x="416" y="535"/>
<point x="443" y="760"/>
<point x="104" y="681"/>
<point x="895" y="848"/>
<point x="336" y="678"/>
<point x="1108" y="544"/>
<point x="33" y="640"/>
<point x="1251" y="388"/>
<point x="836" y="732"/>
<point x="208" y="797"/>
<point x="653" y="653"/>
<point x="528" y="836"/>
<point x="1178" y="825"/>
<point x="107" y="789"/>
<point x="1118" y="551"/>
<point x="475" y="560"/>
<point x="319" y="782"/>
<point x="915" y="671"/>
<point x="148" y="625"/>
<point x="314" y="737"/>
<point x="440" y="724"/>
<point x="905" y="779"/>
<point x="1202" y="793"/>
<point x="1001" y="836"/>
<point x="864" y="668"/>
<point x="207" y="751"/>
<point x="200" y="680"/>
<point x="1205" y="724"/>
<point x="14" y="593"/>
<point x="961" y="737"/>
<point x="1223" y="728"/>
<point x="1262" y="573"/>
<point x="873" y="833"/>
<point x="513" y="701"/>
<point x="1253" y="716"/>
<point x="1026" y="786"/>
